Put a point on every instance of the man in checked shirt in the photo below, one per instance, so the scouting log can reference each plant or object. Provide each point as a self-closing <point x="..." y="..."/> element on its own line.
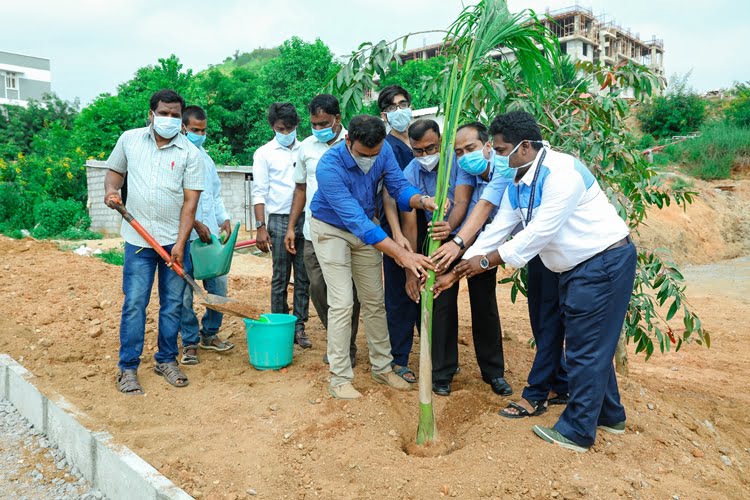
<point x="165" y="178"/>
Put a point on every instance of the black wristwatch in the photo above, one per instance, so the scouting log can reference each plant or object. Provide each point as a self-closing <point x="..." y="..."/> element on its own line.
<point x="484" y="263"/>
<point x="459" y="241"/>
<point x="259" y="224"/>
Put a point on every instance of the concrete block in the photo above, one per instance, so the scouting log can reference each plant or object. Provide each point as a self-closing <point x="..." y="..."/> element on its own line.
<point x="24" y="396"/>
<point x="70" y="436"/>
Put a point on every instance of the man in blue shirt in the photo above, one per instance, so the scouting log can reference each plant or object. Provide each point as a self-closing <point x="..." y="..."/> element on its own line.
<point x="349" y="243"/>
<point x="394" y="103"/>
<point x="570" y="224"/>
<point x="210" y="218"/>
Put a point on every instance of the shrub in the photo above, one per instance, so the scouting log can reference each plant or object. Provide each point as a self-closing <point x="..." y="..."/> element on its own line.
<point x="646" y="142"/>
<point x="679" y="112"/>
<point x="113" y="256"/>
<point x="16" y="207"/>
<point x="738" y="112"/>
<point x="53" y="217"/>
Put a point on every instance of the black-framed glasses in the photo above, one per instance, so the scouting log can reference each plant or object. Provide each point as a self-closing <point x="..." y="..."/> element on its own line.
<point x="399" y="105"/>
<point x="429" y="150"/>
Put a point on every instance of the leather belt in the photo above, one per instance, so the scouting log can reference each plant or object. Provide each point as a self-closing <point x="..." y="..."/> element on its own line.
<point x="625" y="241"/>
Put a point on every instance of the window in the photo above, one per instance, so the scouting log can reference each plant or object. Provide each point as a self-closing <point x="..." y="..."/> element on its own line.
<point x="585" y="49"/>
<point x="564" y="47"/>
<point x="11" y="81"/>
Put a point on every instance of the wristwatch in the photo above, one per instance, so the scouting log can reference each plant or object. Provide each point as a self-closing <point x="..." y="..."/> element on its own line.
<point x="484" y="263"/>
<point x="421" y="201"/>
<point x="259" y="224"/>
<point x="459" y="241"/>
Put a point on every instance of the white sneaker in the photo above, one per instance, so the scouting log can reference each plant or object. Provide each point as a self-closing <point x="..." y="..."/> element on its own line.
<point x="344" y="391"/>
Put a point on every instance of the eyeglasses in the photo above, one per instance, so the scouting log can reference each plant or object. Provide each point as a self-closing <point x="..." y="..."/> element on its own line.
<point x="400" y="105"/>
<point x="429" y="150"/>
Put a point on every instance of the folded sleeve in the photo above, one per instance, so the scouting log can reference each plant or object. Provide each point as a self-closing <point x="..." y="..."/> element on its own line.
<point x="195" y="174"/>
<point x="117" y="160"/>
<point x="300" y="167"/>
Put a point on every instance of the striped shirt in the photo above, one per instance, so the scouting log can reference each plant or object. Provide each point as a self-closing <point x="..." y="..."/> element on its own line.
<point x="156" y="179"/>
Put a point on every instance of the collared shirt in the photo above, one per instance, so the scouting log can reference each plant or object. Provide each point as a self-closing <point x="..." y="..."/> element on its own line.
<point x="426" y="182"/>
<point x="211" y="211"/>
<point x="572" y="219"/>
<point x="308" y="155"/>
<point x="403" y="155"/>
<point x="346" y="196"/>
<point x="156" y="179"/>
<point x="273" y="176"/>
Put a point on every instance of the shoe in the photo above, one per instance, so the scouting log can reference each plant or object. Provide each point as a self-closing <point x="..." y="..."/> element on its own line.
<point x="441" y="388"/>
<point x="344" y="391"/>
<point x="500" y="386"/>
<point x="618" y="428"/>
<point x="554" y="437"/>
<point x="301" y="340"/>
<point x="391" y="380"/>
<point x="214" y="343"/>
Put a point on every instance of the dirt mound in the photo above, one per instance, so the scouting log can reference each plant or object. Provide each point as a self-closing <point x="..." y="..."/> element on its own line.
<point x="234" y="428"/>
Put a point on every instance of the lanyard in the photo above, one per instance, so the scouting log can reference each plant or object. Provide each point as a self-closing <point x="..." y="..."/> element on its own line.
<point x="530" y="209"/>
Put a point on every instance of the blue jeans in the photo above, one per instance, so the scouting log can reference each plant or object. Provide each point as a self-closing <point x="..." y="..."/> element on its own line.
<point x="211" y="321"/>
<point x="137" y="281"/>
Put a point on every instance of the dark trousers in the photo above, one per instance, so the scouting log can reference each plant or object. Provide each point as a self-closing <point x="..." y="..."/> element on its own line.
<point x="594" y="298"/>
<point x="548" y="371"/>
<point x="401" y="312"/>
<point x="282" y="270"/>
<point x="485" y="330"/>
<point x="319" y="293"/>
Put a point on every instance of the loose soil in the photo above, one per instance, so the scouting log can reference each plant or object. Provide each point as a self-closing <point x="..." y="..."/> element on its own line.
<point x="234" y="429"/>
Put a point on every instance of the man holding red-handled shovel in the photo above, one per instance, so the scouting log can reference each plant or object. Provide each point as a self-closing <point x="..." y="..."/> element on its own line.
<point x="165" y="178"/>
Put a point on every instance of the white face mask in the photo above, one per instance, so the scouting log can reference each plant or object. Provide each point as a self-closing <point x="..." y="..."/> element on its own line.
<point x="166" y="126"/>
<point x="364" y="164"/>
<point x="429" y="162"/>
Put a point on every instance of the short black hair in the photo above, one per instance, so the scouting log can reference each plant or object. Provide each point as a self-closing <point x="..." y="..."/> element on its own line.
<point x="387" y="95"/>
<point x="516" y="127"/>
<point x="195" y="112"/>
<point x="419" y="128"/>
<point x="480" y="129"/>
<point x="367" y="130"/>
<point x="168" y="96"/>
<point x="285" y="112"/>
<point x="325" y="103"/>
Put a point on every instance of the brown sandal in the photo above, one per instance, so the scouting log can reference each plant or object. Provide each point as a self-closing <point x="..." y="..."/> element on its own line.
<point x="127" y="382"/>
<point x="171" y="373"/>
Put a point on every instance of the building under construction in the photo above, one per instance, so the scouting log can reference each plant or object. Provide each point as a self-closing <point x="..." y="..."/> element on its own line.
<point x="585" y="37"/>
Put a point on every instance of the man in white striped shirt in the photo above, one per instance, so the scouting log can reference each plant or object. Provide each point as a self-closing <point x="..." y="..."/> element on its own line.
<point x="165" y="178"/>
<point x="569" y="222"/>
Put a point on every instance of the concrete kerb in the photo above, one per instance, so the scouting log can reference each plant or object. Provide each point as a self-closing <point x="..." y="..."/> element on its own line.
<point x="114" y="470"/>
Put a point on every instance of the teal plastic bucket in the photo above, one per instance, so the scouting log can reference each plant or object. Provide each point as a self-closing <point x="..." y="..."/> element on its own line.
<point x="270" y="340"/>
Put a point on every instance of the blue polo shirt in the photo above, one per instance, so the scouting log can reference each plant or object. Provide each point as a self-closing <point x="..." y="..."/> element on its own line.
<point x="346" y="197"/>
<point x="426" y="182"/>
<point x="491" y="190"/>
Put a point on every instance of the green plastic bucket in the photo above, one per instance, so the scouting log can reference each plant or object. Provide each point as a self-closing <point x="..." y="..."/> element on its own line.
<point x="270" y="340"/>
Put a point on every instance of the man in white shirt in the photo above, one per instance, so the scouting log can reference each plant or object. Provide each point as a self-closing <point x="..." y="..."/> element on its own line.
<point x="569" y="222"/>
<point x="210" y="218"/>
<point x="327" y="130"/>
<point x="273" y="189"/>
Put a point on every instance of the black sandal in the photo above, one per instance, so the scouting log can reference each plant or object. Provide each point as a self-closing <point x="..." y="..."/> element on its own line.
<point x="539" y="408"/>
<point x="560" y="399"/>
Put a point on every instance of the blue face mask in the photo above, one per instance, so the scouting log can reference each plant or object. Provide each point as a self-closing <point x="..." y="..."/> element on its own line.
<point x="324" y="134"/>
<point x="399" y="119"/>
<point x="286" y="140"/>
<point x="502" y="165"/>
<point x="196" y="139"/>
<point x="473" y="163"/>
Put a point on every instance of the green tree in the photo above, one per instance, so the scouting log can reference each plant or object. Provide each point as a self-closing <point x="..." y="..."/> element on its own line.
<point x="412" y="76"/>
<point x="679" y="112"/>
<point x="738" y="112"/>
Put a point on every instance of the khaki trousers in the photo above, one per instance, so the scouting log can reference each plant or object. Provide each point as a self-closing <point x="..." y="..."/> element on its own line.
<point x="343" y="257"/>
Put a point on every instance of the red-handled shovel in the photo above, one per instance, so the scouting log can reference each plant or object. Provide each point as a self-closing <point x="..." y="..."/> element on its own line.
<point x="210" y="300"/>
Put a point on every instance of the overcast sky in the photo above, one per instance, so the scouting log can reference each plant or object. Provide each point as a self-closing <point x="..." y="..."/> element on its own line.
<point x="96" y="44"/>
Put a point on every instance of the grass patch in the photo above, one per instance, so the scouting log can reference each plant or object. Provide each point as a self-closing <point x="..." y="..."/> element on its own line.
<point x="113" y="256"/>
<point x="711" y="155"/>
